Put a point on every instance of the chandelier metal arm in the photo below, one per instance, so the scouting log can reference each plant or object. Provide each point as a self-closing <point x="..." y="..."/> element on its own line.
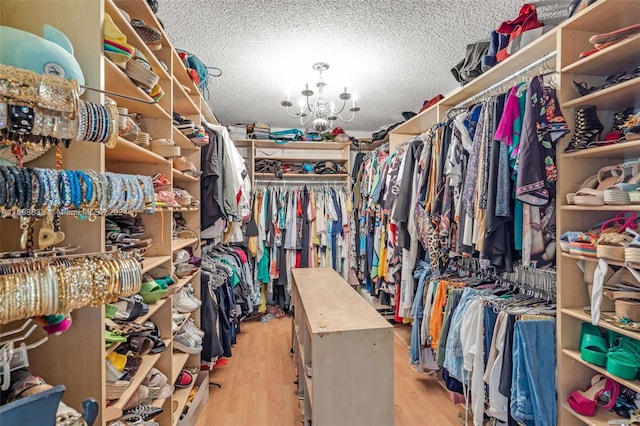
<point x="321" y="113"/>
<point x="297" y="115"/>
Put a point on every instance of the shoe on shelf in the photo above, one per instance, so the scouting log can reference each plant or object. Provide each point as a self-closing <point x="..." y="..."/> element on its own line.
<point x="146" y="412"/>
<point x="185" y="343"/>
<point x="192" y="328"/>
<point x="184" y="379"/>
<point x="602" y="393"/>
<point x="183" y="303"/>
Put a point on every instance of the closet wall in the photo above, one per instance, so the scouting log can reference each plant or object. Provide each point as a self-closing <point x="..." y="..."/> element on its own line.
<point x="77" y="357"/>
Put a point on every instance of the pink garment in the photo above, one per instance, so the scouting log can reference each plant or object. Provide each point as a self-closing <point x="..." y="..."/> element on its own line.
<point x="511" y="113"/>
<point x="242" y="255"/>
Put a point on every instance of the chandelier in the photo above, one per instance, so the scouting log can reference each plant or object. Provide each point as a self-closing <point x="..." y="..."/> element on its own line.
<point x="321" y="113"/>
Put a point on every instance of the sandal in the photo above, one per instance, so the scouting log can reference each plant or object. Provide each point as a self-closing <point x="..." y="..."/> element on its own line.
<point x="595" y="197"/>
<point x="602" y="393"/>
<point x="622" y="358"/>
<point x="593" y="347"/>
<point x="151" y="292"/>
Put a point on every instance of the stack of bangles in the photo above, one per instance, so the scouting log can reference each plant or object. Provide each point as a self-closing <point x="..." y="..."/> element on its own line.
<point x="59" y="285"/>
<point x="46" y="109"/>
<point x="35" y="191"/>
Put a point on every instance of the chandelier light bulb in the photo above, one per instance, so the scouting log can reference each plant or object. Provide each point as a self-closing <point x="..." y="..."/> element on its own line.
<point x="321" y="112"/>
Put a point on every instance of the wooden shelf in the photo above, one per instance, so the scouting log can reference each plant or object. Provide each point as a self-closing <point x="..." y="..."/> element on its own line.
<point x="153" y="308"/>
<point x="604" y="16"/>
<point x="267" y="143"/>
<point x="621" y="150"/>
<point x="619" y="96"/>
<point x="185" y="209"/>
<point x="178" y="176"/>
<point x="182" y="141"/>
<point x="417" y="124"/>
<point x="129" y="152"/>
<point x="182" y="242"/>
<point x="117" y="81"/>
<point x="622" y="56"/>
<point x="151" y="262"/>
<point x="112" y="348"/>
<point x="179" y="361"/>
<point x="182" y="76"/>
<point x="207" y="113"/>
<point x="601" y="418"/>
<point x="605" y="208"/>
<point x="134" y="39"/>
<point x="183" y="281"/>
<point x="580" y="314"/>
<point x="590" y="259"/>
<point x="148" y="361"/>
<point x="631" y="384"/>
<point x="311" y="161"/>
<point x="309" y="176"/>
<point x="181" y="395"/>
<point x="142" y="11"/>
<point x="182" y="101"/>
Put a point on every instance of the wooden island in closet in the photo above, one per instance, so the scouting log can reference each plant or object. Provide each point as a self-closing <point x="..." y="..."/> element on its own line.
<point x="343" y="351"/>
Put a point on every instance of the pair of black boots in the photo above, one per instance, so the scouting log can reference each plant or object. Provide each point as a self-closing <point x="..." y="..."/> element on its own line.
<point x="588" y="129"/>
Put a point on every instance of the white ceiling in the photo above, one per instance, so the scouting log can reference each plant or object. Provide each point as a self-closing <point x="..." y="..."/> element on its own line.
<point x="393" y="53"/>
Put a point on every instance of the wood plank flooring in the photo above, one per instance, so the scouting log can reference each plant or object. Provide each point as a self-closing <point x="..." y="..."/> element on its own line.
<point x="258" y="389"/>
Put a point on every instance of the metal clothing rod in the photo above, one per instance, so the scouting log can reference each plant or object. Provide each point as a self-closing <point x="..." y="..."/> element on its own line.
<point x="300" y="182"/>
<point x="517" y="74"/>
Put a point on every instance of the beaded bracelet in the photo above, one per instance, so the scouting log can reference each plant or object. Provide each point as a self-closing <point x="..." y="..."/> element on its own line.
<point x="44" y="188"/>
<point x="94" y="122"/>
<point x="65" y="189"/>
<point x="105" y="124"/>
<point x="18" y="186"/>
<point x="82" y="121"/>
<point x="28" y="189"/>
<point x="53" y="177"/>
<point x="3" y="190"/>
<point x="87" y="186"/>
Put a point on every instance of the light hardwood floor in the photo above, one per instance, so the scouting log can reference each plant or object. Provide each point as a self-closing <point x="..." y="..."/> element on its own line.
<point x="258" y="389"/>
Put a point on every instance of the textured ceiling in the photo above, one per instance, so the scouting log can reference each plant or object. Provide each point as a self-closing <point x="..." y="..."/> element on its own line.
<point x="393" y="53"/>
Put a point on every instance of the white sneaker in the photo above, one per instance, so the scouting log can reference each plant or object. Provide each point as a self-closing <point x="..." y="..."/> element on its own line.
<point x="183" y="303"/>
<point x="193" y="328"/>
<point x="184" y="343"/>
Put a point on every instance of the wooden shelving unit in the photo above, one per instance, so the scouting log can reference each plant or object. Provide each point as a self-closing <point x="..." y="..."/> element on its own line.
<point x="126" y="151"/>
<point x="59" y="360"/>
<point x="297" y="153"/>
<point x="603" y="16"/>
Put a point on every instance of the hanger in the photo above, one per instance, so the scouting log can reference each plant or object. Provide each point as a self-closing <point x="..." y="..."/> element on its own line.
<point x="13" y="357"/>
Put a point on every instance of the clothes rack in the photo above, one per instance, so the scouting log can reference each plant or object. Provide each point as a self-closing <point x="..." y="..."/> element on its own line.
<point x="264" y="182"/>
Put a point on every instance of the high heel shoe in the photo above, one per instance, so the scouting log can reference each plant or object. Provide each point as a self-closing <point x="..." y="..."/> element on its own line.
<point x="588" y="129"/>
<point x="602" y="393"/>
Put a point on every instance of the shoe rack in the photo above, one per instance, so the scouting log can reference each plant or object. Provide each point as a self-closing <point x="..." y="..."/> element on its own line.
<point x="574" y="167"/>
<point x="77" y="357"/>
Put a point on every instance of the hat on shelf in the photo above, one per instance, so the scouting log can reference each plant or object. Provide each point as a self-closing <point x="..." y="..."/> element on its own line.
<point x="165" y="147"/>
<point x="151" y="36"/>
<point x="156" y="92"/>
<point x="116" y="47"/>
<point x="181" y="164"/>
<point x="139" y="70"/>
